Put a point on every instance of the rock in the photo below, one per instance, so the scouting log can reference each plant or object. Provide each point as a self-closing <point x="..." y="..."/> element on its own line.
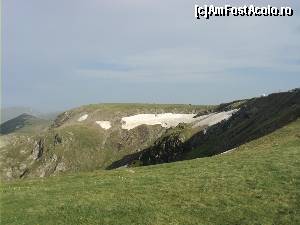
<point x="57" y="139"/>
<point x="38" y="150"/>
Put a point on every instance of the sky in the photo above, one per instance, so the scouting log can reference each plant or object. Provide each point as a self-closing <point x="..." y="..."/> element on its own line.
<point x="59" y="54"/>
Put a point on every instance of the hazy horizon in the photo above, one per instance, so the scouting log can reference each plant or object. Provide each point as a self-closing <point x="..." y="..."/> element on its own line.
<point x="54" y="110"/>
<point x="58" y="55"/>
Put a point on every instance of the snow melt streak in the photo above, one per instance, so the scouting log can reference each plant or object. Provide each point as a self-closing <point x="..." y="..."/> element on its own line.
<point x="213" y="118"/>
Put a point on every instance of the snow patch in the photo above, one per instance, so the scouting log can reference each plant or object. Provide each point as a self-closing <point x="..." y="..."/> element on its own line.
<point x="104" y="124"/>
<point x="172" y="120"/>
<point x="82" y="118"/>
<point x="164" y="119"/>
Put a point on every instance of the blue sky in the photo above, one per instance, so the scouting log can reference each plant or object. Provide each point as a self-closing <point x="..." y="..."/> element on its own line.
<point x="59" y="54"/>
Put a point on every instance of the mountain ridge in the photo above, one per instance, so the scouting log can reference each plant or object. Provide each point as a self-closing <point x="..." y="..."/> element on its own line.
<point x="76" y="142"/>
<point x="93" y="137"/>
<point x="23" y="123"/>
<point x="255" y="118"/>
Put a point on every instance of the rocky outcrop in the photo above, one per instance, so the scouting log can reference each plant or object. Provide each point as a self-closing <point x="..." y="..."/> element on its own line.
<point x="38" y="149"/>
<point x="61" y="119"/>
<point x="57" y="139"/>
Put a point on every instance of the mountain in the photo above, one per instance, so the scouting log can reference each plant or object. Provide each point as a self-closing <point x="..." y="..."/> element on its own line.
<point x="90" y="137"/>
<point x="9" y="113"/>
<point x="23" y="123"/>
<point x="255" y="118"/>
<point x="12" y="112"/>
<point x="234" y="163"/>
<point x="258" y="183"/>
<point x="108" y="136"/>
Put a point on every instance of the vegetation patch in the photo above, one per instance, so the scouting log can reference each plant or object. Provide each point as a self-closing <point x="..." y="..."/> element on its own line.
<point x="258" y="183"/>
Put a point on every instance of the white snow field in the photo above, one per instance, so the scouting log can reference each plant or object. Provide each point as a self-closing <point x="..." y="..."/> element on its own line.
<point x="104" y="124"/>
<point x="82" y="118"/>
<point x="213" y="118"/>
<point x="172" y="120"/>
<point x="164" y="119"/>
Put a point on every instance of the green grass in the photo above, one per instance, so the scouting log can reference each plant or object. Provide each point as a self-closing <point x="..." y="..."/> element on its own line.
<point x="256" y="184"/>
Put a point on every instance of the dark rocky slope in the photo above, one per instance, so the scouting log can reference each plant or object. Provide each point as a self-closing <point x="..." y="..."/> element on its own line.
<point x="256" y="117"/>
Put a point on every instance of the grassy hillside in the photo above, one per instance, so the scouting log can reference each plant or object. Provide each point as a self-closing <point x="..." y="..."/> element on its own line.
<point x="72" y="145"/>
<point x="258" y="183"/>
<point x="256" y="117"/>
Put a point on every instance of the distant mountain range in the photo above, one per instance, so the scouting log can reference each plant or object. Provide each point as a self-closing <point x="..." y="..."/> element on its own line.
<point x="12" y="112"/>
<point x="24" y="123"/>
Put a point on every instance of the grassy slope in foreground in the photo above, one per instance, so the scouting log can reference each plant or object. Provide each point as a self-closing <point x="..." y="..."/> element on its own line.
<point x="256" y="184"/>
